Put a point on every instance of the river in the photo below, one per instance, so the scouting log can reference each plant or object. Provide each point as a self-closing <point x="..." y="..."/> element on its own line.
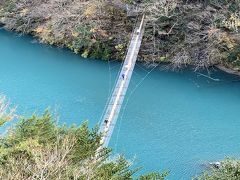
<point x="176" y="121"/>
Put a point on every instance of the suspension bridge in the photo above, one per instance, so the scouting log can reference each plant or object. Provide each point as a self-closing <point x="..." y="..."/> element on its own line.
<point x="114" y="105"/>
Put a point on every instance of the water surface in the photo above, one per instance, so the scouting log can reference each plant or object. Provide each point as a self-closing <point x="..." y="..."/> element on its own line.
<point x="175" y="121"/>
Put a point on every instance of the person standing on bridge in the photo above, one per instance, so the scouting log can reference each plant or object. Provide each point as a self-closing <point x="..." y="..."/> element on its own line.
<point x="123" y="76"/>
<point x="106" y="121"/>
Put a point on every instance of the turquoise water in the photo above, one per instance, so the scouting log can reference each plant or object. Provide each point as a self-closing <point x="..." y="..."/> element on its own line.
<point x="174" y="121"/>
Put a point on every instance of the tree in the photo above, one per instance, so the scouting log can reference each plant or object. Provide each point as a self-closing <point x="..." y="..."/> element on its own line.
<point x="7" y="113"/>
<point x="229" y="170"/>
<point x="37" y="148"/>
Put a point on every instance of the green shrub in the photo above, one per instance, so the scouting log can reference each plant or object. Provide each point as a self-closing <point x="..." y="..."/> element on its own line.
<point x="37" y="148"/>
<point x="229" y="170"/>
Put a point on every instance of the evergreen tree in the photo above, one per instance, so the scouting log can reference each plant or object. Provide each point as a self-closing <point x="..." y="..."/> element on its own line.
<point x="37" y="148"/>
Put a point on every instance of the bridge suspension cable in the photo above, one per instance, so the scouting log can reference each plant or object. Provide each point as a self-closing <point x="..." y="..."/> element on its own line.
<point x="114" y="105"/>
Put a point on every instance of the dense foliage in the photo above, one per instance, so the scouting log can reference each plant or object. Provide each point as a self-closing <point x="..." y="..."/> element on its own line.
<point x="229" y="170"/>
<point x="202" y="33"/>
<point x="36" y="148"/>
<point x="7" y="113"/>
<point x="197" y="32"/>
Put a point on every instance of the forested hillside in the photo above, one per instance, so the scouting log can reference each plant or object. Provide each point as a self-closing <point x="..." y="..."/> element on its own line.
<point x="197" y="32"/>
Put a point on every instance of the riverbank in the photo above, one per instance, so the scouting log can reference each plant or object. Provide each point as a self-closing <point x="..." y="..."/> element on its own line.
<point x="228" y="70"/>
<point x="180" y="33"/>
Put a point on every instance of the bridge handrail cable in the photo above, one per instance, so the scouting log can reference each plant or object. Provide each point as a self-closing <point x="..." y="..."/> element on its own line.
<point x="118" y="74"/>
